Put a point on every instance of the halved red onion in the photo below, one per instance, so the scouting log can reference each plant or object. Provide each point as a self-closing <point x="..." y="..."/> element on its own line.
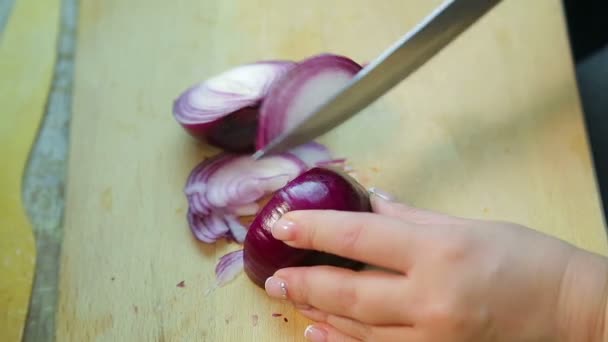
<point x="300" y="91"/>
<point x="317" y="188"/>
<point x="227" y="186"/>
<point x="224" y="109"/>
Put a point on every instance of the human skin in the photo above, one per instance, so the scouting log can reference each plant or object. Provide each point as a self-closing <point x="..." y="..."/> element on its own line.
<point x="440" y="278"/>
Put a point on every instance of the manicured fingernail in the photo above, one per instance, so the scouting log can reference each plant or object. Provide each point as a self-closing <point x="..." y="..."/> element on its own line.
<point x="315" y="334"/>
<point x="276" y="288"/>
<point x="382" y="194"/>
<point x="283" y="229"/>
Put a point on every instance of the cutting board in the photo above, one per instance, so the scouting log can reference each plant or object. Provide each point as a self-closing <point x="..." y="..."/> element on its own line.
<point x="27" y="58"/>
<point x="490" y="128"/>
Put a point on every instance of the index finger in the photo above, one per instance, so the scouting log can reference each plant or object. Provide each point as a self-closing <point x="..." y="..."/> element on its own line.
<point x="370" y="238"/>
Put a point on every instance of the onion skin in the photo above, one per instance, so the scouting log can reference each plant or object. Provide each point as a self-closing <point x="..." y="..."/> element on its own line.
<point x="317" y="188"/>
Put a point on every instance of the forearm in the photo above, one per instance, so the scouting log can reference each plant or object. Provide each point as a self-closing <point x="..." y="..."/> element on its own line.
<point x="583" y="299"/>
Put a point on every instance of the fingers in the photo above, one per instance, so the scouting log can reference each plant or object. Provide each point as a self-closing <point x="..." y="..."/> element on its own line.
<point x="322" y="332"/>
<point x="355" y="329"/>
<point x="352" y="328"/>
<point x="336" y="328"/>
<point x="349" y="327"/>
<point x="384" y="205"/>
<point x="366" y="237"/>
<point x="365" y="332"/>
<point x="359" y="295"/>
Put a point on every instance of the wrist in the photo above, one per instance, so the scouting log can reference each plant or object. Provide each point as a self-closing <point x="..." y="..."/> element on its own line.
<point x="605" y="327"/>
<point x="583" y="299"/>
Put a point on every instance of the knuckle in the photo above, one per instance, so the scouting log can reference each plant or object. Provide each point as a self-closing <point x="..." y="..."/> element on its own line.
<point x="442" y="313"/>
<point x="298" y="284"/>
<point x="420" y="216"/>
<point x="351" y="239"/>
<point x="312" y="236"/>
<point x="454" y="248"/>
<point x="450" y="318"/>
<point x="318" y="229"/>
<point x="340" y="240"/>
<point x="349" y="299"/>
<point x="357" y="330"/>
<point x="365" y="333"/>
<point x="335" y="336"/>
<point x="413" y="213"/>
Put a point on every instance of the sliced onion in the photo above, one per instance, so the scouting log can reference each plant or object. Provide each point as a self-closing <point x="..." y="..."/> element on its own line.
<point x="312" y="154"/>
<point x="251" y="105"/>
<point x="197" y="183"/>
<point x="208" y="228"/>
<point x="244" y="180"/>
<point x="224" y="109"/>
<point x="223" y="188"/>
<point x="300" y="91"/>
<point x="235" y="182"/>
<point x="237" y="231"/>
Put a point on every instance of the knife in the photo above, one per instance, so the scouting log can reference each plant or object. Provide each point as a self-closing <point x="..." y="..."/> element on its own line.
<point x="414" y="49"/>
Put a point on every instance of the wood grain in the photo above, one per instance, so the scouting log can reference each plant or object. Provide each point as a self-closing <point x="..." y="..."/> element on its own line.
<point x="490" y="128"/>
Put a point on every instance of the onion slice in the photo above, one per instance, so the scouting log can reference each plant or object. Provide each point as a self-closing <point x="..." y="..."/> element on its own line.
<point x="229" y="267"/>
<point x="227" y="186"/>
<point x="208" y="228"/>
<point x="224" y="109"/>
<point x="300" y="91"/>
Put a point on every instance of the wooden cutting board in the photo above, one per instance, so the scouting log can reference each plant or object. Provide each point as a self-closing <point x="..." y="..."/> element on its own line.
<point x="27" y="58"/>
<point x="490" y="128"/>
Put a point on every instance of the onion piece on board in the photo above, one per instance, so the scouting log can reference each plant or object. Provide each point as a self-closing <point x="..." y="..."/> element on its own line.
<point x="227" y="269"/>
<point x="300" y="91"/>
<point x="229" y="266"/>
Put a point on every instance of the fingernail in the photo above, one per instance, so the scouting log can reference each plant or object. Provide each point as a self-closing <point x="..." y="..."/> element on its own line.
<point x="382" y="194"/>
<point x="283" y="229"/>
<point x="315" y="334"/>
<point x="276" y="288"/>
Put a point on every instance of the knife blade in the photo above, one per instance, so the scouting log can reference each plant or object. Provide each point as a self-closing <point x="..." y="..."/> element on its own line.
<point x="414" y="49"/>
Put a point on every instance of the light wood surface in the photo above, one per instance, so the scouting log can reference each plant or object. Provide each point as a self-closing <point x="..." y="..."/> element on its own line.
<point x="490" y="128"/>
<point x="27" y="57"/>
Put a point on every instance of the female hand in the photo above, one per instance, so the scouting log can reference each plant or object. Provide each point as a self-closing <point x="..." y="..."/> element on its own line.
<point x="442" y="278"/>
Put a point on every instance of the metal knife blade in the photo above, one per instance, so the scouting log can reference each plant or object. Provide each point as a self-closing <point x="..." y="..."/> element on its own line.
<point x="413" y="50"/>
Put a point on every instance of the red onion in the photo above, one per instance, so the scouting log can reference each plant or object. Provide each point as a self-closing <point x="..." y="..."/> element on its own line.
<point x="318" y="188"/>
<point x="227" y="186"/>
<point x="300" y="91"/>
<point x="224" y="109"/>
<point x="251" y="105"/>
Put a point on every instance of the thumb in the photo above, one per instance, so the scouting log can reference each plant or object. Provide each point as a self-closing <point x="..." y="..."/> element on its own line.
<point x="385" y="204"/>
